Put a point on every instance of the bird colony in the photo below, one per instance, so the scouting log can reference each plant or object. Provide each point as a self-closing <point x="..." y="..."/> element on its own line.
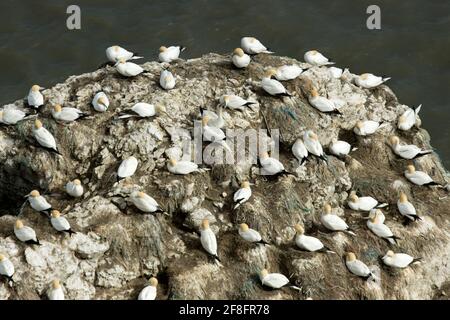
<point x="101" y="201"/>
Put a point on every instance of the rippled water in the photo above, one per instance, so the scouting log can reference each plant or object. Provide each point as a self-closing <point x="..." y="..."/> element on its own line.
<point x="413" y="46"/>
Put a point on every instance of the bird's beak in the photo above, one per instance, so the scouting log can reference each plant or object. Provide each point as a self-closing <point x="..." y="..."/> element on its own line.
<point x="251" y="184"/>
<point x="28" y="195"/>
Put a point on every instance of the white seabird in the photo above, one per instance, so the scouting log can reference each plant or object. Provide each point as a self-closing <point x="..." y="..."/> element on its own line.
<point x="381" y="230"/>
<point x="24" y="233"/>
<point x="407" y="151"/>
<point x="60" y="223"/>
<point x="35" y="98"/>
<point x="144" y="202"/>
<point x="208" y="239"/>
<point x="167" y="80"/>
<point x="235" y="102"/>
<point x="44" y="137"/>
<point x="127" y="168"/>
<point x="369" y="81"/>
<point x="365" y="128"/>
<point x="299" y="150"/>
<point x="249" y="234"/>
<point x="211" y="133"/>
<point x="408" y="119"/>
<point x="376" y="213"/>
<point x="406" y="208"/>
<point x="128" y="69"/>
<point x="363" y="203"/>
<point x="271" y="166"/>
<point x="322" y="104"/>
<point x="169" y="54"/>
<point x="313" y="145"/>
<point x="10" y="115"/>
<point x="419" y="178"/>
<point x="340" y="148"/>
<point x="242" y="195"/>
<point x="272" y="86"/>
<point x="100" y="102"/>
<point x="333" y="222"/>
<point x="275" y="280"/>
<point x="149" y="291"/>
<point x="215" y="119"/>
<point x="181" y="167"/>
<point x="336" y="72"/>
<point x="56" y="291"/>
<point x="287" y="72"/>
<point x="399" y="260"/>
<point x="315" y="58"/>
<point x="253" y="46"/>
<point x="307" y="243"/>
<point x="74" y="188"/>
<point x="240" y="59"/>
<point x="142" y="110"/>
<point x="67" y="114"/>
<point x="6" y="267"/>
<point x="115" y="53"/>
<point x="357" y="267"/>
<point x="38" y="202"/>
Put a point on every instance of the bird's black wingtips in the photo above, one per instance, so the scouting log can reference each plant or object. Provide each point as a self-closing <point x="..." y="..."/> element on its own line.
<point x="36" y="242"/>
<point x="262" y="242"/>
<point x="69" y="231"/>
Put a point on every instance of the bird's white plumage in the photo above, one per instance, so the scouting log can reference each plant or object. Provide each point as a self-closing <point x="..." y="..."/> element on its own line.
<point x="169" y="54"/>
<point x="234" y="102"/>
<point x="128" y="167"/>
<point x="359" y="268"/>
<point x="315" y="58"/>
<point x="407" y="151"/>
<point x="367" y="127"/>
<point x="363" y="204"/>
<point x="273" y="87"/>
<point x="275" y="280"/>
<point x="322" y="104"/>
<point x="67" y="114"/>
<point x="368" y="80"/>
<point x="167" y="80"/>
<point x="312" y="145"/>
<point x="408" y="119"/>
<point x="241" y="61"/>
<point x="39" y="203"/>
<point x="308" y="243"/>
<point x="129" y="69"/>
<point x="44" y="138"/>
<point x="56" y="294"/>
<point x="25" y="233"/>
<point x="6" y="267"/>
<point x="407" y="209"/>
<point x="212" y="133"/>
<point x="379" y="214"/>
<point x="299" y="150"/>
<point x="35" y="99"/>
<point x="100" y="107"/>
<point x="340" y="148"/>
<point x="11" y="116"/>
<point x="333" y="222"/>
<point x="60" y="223"/>
<point x="116" y="53"/>
<point x="144" y="202"/>
<point x="250" y="235"/>
<point x="208" y="241"/>
<point x="215" y="120"/>
<point x="271" y="166"/>
<point x="418" y="177"/>
<point x="381" y="230"/>
<point x="147" y="293"/>
<point x="253" y="46"/>
<point x="242" y="195"/>
<point x="398" y="260"/>
<point x="182" y="167"/>
<point x="288" y="72"/>
<point x="74" y="190"/>
<point x="335" y="72"/>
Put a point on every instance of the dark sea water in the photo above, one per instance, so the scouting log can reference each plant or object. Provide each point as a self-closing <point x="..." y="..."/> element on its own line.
<point x="413" y="46"/>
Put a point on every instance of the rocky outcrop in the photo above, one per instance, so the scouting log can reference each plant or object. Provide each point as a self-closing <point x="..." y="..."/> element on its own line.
<point x="116" y="248"/>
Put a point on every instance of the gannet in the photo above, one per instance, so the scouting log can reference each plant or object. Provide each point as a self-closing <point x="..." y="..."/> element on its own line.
<point x="363" y="203"/>
<point x="55" y="292"/>
<point x="407" y="151"/>
<point x="128" y="69"/>
<point x="271" y="166"/>
<point x="275" y="280"/>
<point x="399" y="260"/>
<point x="307" y="243"/>
<point x="250" y="235"/>
<point x="211" y="133"/>
<point x="381" y="230"/>
<point x="144" y="202"/>
<point x="253" y="46"/>
<point x="127" y="168"/>
<point x="149" y="291"/>
<point x="181" y="167"/>
<point x="287" y="72"/>
<point x="38" y="202"/>
<point x="44" y="137"/>
<point x="169" y="54"/>
<point x="74" y="188"/>
<point x="6" y="267"/>
<point x="100" y="102"/>
<point x="357" y="267"/>
<point x="299" y="150"/>
<point x="408" y="119"/>
<point x="333" y="222"/>
<point x="67" y="114"/>
<point x="115" y="53"/>
<point x="340" y="148"/>
<point x="215" y="120"/>
<point x="419" y="178"/>
<point x="272" y="86"/>
<point x="234" y="102"/>
<point x="35" y="98"/>
<point x="335" y="72"/>
<point x="142" y="110"/>
<point x="316" y="58"/>
<point x="208" y="239"/>
<point x="312" y="144"/>
<point x="368" y="80"/>
<point x="365" y="128"/>
<point x="24" y="233"/>
<point x="321" y="103"/>
<point x="60" y="223"/>
<point x="11" y="116"/>
<point x="167" y="80"/>
<point x="240" y="59"/>
<point x="243" y="194"/>
<point x="406" y="208"/>
<point x="376" y="213"/>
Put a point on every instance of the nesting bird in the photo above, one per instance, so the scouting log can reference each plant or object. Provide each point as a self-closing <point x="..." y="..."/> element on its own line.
<point x="365" y="128"/>
<point x="208" y="239"/>
<point x="308" y="243"/>
<point x="376" y="213"/>
<point x="340" y="148"/>
<point x="369" y="81"/>
<point x="299" y="150"/>
<point x="100" y="102"/>
<point x="67" y="114"/>
<point x="240" y="59"/>
<point x="406" y="208"/>
<point x="253" y="46"/>
<point x="181" y="167"/>
<point x="56" y="291"/>
<point x="419" y="178"/>
<point x="407" y="151"/>
<point x="211" y="133"/>
<point x="363" y="203"/>
<point x="74" y="188"/>
<point x="287" y="72"/>
<point x="336" y="72"/>
<point x="128" y="69"/>
<point x="169" y="54"/>
<point x="142" y="110"/>
<point x="315" y="58"/>
<point x="271" y="166"/>
<point x="357" y="267"/>
<point x="44" y="137"/>
<point x="235" y="102"/>
<point x="333" y="222"/>
<point x="149" y="291"/>
<point x="144" y="202"/>
<point x="380" y="229"/>
<point x="275" y="280"/>
<point x="242" y="195"/>
<point x="399" y="260"/>
<point x="59" y="223"/>
<point x="116" y="53"/>
<point x="313" y="145"/>
<point x="24" y="233"/>
<point x="167" y="80"/>
<point x="6" y="267"/>
<point x="38" y="202"/>
<point x="11" y="116"/>
<point x="272" y="86"/>
<point x="35" y="98"/>
<point x="215" y="119"/>
<point x="250" y="235"/>
<point x="322" y="104"/>
<point x="409" y="118"/>
<point x="127" y="168"/>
